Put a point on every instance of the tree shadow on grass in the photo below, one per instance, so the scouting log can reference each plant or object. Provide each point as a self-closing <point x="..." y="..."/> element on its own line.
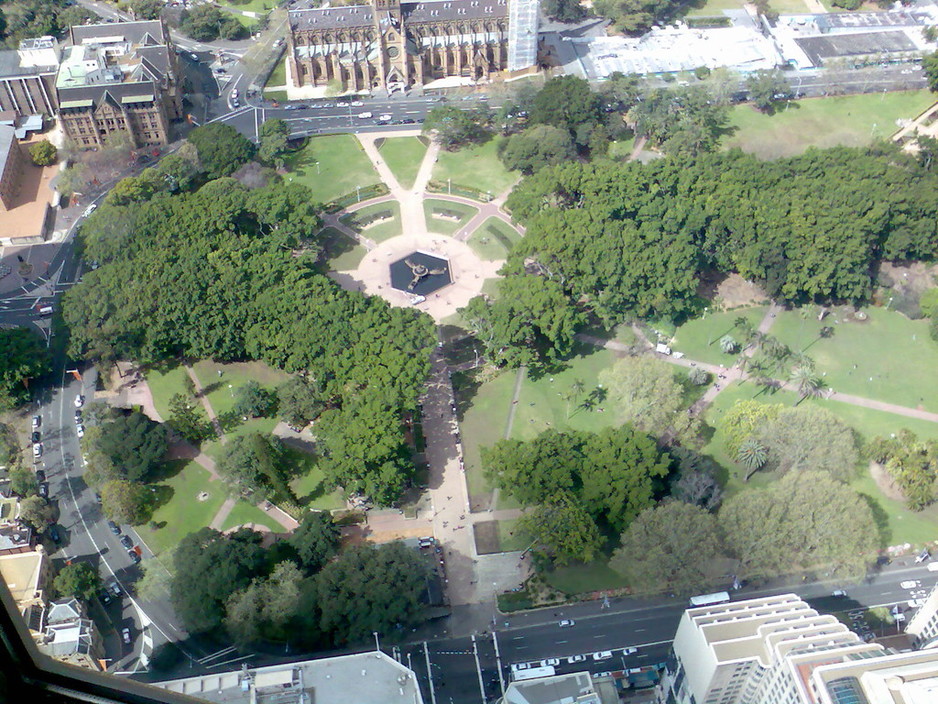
<point x="162" y="495"/>
<point x="230" y="420"/>
<point x="210" y="388"/>
<point x="880" y="518"/>
<point x="465" y="387"/>
<point x="167" y="470"/>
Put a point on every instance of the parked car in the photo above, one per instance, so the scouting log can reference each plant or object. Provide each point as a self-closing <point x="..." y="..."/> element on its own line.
<point x="89" y="210"/>
<point x="573" y="659"/>
<point x="520" y="666"/>
<point x="37" y="421"/>
<point x="78" y="416"/>
<point x="134" y="557"/>
<point x="115" y="589"/>
<point x="104" y="597"/>
<point x="79" y="401"/>
<point x="127" y="542"/>
<point x="44" y="490"/>
<point x="602" y="655"/>
<point x="115" y="529"/>
<point x="407" y="121"/>
<point x="839" y="593"/>
<point x="909" y="584"/>
<point x="40" y="475"/>
<point x="54" y="534"/>
<point x="364" y="115"/>
<point x="629" y="651"/>
<point x="80" y="430"/>
<point x="600" y="675"/>
<point x="37" y="437"/>
<point x="550" y="662"/>
<point x="125" y="635"/>
<point x="37" y="450"/>
<point x="566" y="623"/>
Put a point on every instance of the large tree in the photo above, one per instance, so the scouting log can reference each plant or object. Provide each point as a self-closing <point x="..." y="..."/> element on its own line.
<point x="78" y="579"/>
<point x="911" y="462"/>
<point x="766" y="88"/>
<point x="206" y="23"/>
<point x="809" y="438"/>
<point x="316" y="540"/>
<point x="566" y="102"/>
<point x="274" y="135"/>
<point x="743" y="420"/>
<point x="672" y="546"/>
<point x="256" y="463"/>
<point x="299" y="401"/>
<point x="562" y="531"/>
<point x="643" y="391"/>
<point x="930" y="66"/>
<point x="126" y="502"/>
<point x="24" y="358"/>
<point x="268" y="608"/>
<point x="209" y="568"/>
<point x="23" y="481"/>
<point x="37" y="512"/>
<point x="806" y="520"/>
<point x="253" y="400"/>
<point x="564" y="10"/>
<point x="535" y="148"/>
<point x="222" y="149"/>
<point x="370" y="589"/>
<point x="454" y="128"/>
<point x="535" y="470"/>
<point x="135" y="444"/>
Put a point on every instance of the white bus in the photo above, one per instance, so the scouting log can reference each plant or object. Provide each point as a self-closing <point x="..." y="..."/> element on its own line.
<point x="710" y="599"/>
<point x="532" y="673"/>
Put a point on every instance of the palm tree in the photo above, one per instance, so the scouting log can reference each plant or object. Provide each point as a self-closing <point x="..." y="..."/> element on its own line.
<point x="728" y="344"/>
<point x="806" y="380"/>
<point x="752" y="455"/>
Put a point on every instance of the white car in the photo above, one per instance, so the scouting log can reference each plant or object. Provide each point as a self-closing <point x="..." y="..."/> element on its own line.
<point x="357" y="104"/>
<point x="915" y="603"/>
<point x="573" y="659"/>
<point x="519" y="666"/>
<point x="629" y="651"/>
<point x="384" y="118"/>
<point x="79" y="401"/>
<point x="80" y="429"/>
<point x="37" y="421"/>
<point x="566" y="623"/>
<point x="602" y="655"/>
<point x="600" y="675"/>
<point x="37" y="450"/>
<point x="550" y="662"/>
<point x="364" y="115"/>
<point x="89" y="210"/>
<point x="125" y="635"/>
<point x="909" y="584"/>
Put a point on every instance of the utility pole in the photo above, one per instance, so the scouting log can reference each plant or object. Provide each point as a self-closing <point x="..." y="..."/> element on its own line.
<point x="498" y="662"/>
<point x="475" y="653"/>
<point x="426" y="654"/>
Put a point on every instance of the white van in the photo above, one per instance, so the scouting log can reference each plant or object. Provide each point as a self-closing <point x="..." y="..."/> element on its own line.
<point x="933" y="566"/>
<point x="45" y="311"/>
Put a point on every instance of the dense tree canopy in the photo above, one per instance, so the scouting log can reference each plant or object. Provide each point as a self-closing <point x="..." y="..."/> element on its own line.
<point x="256" y="463"/>
<point x="672" y="546"/>
<point x="316" y="540"/>
<point x="24" y="19"/>
<point x="209" y="568"/>
<point x="561" y="530"/>
<point x="804" y="520"/>
<point x="269" y="608"/>
<point x="680" y="121"/>
<point x="370" y="589"/>
<point x="631" y="239"/>
<point x="564" y="10"/>
<point x="24" y="358"/>
<point x="78" y="579"/>
<point x="206" y="23"/>
<point x="637" y="16"/>
<point x="809" y="438"/>
<point x="911" y="462"/>
<point x="222" y="149"/>
<point x="535" y="148"/>
<point x="126" y="502"/>
<point x="134" y="444"/>
<point x="453" y="127"/>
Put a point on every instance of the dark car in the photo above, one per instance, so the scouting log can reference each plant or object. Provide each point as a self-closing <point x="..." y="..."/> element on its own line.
<point x="104" y="597"/>
<point x="115" y="589"/>
<point x="37" y="436"/>
<point x="44" y="490"/>
<point x="127" y="542"/>
<point x="54" y="534"/>
<point x="125" y="635"/>
<point x="134" y="557"/>
<point x="408" y="121"/>
<point x="40" y="475"/>
<point x="115" y="529"/>
<point x="78" y="416"/>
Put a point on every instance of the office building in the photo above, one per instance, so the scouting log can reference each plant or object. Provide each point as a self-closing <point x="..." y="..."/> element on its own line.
<point x="27" y="77"/>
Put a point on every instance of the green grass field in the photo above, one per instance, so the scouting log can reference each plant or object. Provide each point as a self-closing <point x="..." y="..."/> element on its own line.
<point x="403" y="156"/>
<point x="493" y="239"/>
<point x="164" y="384"/>
<point x="279" y="95"/>
<point x="183" y="513"/>
<point x="310" y="486"/>
<point x="714" y="8"/>
<point x="510" y="539"/>
<point x="588" y="577"/>
<point x="476" y="167"/>
<point x="899" y="524"/>
<point x="342" y="166"/>
<point x="220" y="388"/>
<point x="340" y="252"/>
<point x="278" y="76"/>
<point x="888" y="358"/>
<point x="381" y="230"/>
<point x="852" y="120"/>
<point x="244" y="513"/>
<point x="699" y="338"/>
<point x="250" y="5"/>
<point x="446" y="226"/>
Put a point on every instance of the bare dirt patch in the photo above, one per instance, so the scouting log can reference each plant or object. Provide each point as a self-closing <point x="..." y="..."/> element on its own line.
<point x="486" y="536"/>
<point x="886" y="484"/>
<point x="732" y="291"/>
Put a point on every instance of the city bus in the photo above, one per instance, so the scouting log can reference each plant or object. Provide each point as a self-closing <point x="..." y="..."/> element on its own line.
<point x="710" y="599"/>
<point x="533" y="673"/>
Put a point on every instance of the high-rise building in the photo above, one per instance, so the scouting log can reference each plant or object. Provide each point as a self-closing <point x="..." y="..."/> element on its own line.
<point x="119" y="78"/>
<point x="778" y="650"/>
<point x="389" y="45"/>
<point x="923" y="626"/>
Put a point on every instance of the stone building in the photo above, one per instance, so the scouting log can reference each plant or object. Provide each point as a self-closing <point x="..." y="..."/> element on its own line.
<point x="119" y="78"/>
<point x="11" y="166"/>
<point x="27" y="77"/>
<point x="392" y="45"/>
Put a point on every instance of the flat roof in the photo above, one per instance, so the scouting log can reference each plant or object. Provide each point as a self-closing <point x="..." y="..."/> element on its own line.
<point x="862" y="44"/>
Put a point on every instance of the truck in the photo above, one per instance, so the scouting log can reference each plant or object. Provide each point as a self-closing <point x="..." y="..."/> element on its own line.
<point x="710" y="599"/>
<point x="533" y="673"/>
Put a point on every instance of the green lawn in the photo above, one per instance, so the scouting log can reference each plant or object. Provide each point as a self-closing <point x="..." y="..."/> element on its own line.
<point x="183" y="513"/>
<point x="381" y="229"/>
<point x="588" y="577"/>
<point x="403" y="156"/>
<point x="493" y="239"/>
<point x="476" y="167"/>
<point x="164" y="384"/>
<point x="621" y="150"/>
<point x="278" y="95"/>
<point x="510" y="540"/>
<point x="889" y="357"/>
<point x="341" y="253"/>
<point x="264" y="426"/>
<point x="220" y="388"/>
<point x="310" y="485"/>
<point x="278" y="77"/>
<point x="713" y="8"/>
<point x="342" y="166"/>
<point x="244" y="513"/>
<point x="250" y="5"/>
<point x="899" y="524"/>
<point x="484" y="415"/>
<point x="852" y="120"/>
<point x="699" y="338"/>
<point x="447" y="225"/>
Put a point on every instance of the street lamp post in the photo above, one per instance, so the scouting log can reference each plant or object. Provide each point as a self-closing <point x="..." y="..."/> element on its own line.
<point x="377" y="642"/>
